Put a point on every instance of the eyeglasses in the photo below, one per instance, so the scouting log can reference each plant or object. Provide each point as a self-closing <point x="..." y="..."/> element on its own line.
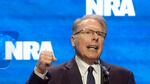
<point x="90" y="32"/>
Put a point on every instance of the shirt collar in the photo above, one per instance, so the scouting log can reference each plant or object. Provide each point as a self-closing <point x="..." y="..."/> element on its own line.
<point x="83" y="66"/>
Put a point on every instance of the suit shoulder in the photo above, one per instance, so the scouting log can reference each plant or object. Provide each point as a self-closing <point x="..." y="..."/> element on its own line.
<point x="119" y="70"/>
<point x="119" y="73"/>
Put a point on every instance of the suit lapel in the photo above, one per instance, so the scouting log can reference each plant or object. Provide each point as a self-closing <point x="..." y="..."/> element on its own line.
<point x="73" y="73"/>
<point x="105" y="72"/>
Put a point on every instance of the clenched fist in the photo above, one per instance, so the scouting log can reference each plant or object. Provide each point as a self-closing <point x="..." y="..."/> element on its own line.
<point x="45" y="59"/>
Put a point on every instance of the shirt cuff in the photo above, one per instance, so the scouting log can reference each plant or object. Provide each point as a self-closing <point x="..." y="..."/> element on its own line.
<point x="42" y="76"/>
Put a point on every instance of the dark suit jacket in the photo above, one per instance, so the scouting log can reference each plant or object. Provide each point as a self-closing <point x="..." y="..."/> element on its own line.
<point x="68" y="73"/>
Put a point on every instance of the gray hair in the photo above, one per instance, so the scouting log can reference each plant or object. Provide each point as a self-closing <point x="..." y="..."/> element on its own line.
<point x="100" y="19"/>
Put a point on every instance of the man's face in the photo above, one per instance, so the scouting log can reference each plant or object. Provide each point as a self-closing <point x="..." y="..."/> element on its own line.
<point x="87" y="43"/>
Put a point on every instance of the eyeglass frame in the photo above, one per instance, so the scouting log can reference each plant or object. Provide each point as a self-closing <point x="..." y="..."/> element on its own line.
<point x="98" y="33"/>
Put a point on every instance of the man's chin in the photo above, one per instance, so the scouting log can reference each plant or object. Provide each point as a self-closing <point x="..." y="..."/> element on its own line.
<point x="93" y="57"/>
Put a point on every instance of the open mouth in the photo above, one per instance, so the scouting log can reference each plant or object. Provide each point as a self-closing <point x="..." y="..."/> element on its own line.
<point x="95" y="47"/>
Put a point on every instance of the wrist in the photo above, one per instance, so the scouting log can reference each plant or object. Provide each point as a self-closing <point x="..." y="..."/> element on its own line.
<point x="41" y="69"/>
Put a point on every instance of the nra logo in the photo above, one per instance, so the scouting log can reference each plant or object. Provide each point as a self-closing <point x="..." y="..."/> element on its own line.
<point x="12" y="50"/>
<point x="25" y="50"/>
<point x="110" y="7"/>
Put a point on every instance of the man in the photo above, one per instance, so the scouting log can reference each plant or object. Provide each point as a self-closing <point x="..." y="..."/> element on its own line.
<point x="85" y="68"/>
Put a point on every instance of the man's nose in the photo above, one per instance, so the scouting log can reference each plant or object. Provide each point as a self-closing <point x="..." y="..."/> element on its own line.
<point x="95" y="36"/>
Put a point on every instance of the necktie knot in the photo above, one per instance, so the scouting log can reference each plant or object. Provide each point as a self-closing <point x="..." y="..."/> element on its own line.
<point x="90" y="69"/>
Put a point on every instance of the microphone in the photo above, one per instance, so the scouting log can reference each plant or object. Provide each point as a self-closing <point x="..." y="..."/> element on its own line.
<point x="102" y="66"/>
<point x="105" y="72"/>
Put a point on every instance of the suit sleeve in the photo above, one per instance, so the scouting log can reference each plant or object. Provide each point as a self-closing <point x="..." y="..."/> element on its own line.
<point x="34" y="79"/>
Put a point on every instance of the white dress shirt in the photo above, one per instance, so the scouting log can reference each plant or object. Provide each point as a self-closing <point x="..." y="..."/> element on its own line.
<point x="43" y="76"/>
<point x="83" y="68"/>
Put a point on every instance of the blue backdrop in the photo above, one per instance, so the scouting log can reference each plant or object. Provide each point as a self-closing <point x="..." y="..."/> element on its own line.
<point x="126" y="44"/>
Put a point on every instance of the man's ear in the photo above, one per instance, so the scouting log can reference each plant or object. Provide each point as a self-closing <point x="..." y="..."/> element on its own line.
<point x="73" y="40"/>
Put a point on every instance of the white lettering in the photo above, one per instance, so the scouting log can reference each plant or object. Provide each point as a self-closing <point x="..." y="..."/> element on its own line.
<point x="111" y="5"/>
<point x="10" y="48"/>
<point x="127" y="8"/>
<point x="91" y="7"/>
<point x="24" y="50"/>
<point x="107" y="7"/>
